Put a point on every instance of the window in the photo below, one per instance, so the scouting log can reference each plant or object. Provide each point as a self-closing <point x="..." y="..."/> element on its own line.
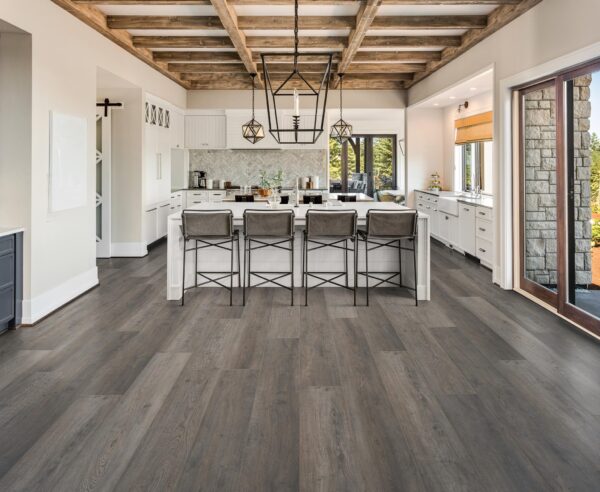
<point x="475" y="163"/>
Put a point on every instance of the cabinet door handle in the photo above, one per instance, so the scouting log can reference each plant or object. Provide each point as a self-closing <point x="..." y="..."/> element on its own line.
<point x="151" y="210"/>
<point x="482" y="250"/>
<point x="482" y="229"/>
<point x="163" y="206"/>
<point x="481" y="213"/>
<point x="447" y="218"/>
<point x="467" y="209"/>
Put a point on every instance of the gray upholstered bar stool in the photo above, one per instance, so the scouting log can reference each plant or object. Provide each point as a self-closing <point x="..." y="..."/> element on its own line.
<point x="329" y="229"/>
<point x="387" y="229"/>
<point x="265" y="229"/>
<point x="210" y="229"/>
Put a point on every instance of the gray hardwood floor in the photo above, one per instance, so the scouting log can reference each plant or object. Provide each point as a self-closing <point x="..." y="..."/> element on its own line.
<point x="478" y="389"/>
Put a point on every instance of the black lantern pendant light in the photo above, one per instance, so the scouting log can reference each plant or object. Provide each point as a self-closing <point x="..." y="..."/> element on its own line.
<point x="253" y="131"/>
<point x="289" y="126"/>
<point x="341" y="130"/>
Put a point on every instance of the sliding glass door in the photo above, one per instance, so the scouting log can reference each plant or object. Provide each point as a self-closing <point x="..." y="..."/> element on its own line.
<point x="559" y="193"/>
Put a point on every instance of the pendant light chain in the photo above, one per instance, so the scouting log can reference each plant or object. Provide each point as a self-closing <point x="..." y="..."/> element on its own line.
<point x="296" y="35"/>
<point x="253" y="77"/>
<point x="341" y="76"/>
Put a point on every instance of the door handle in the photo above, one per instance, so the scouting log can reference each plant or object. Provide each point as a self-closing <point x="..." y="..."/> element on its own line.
<point x="482" y="229"/>
<point x="482" y="250"/>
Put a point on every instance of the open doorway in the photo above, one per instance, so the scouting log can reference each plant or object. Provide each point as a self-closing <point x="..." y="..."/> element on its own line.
<point x="103" y="186"/>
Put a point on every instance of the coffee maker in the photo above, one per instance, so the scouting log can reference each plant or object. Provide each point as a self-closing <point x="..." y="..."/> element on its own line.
<point x="198" y="179"/>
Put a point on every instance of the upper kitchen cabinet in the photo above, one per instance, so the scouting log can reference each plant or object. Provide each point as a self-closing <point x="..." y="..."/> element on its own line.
<point x="177" y="129"/>
<point x="205" y="131"/>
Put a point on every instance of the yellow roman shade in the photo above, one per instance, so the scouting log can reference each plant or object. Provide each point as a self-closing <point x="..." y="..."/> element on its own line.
<point x="476" y="128"/>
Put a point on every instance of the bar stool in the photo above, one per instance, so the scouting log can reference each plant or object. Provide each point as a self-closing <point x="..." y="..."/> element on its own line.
<point x="346" y="198"/>
<point x="312" y="199"/>
<point x="268" y="229"/>
<point x="329" y="229"/>
<point x="210" y="229"/>
<point x="387" y="229"/>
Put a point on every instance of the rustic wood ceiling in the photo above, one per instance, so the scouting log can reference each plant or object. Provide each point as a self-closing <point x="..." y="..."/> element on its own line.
<point x="215" y="44"/>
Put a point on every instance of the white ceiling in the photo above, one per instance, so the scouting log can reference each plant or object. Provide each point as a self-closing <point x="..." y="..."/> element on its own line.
<point x="475" y="86"/>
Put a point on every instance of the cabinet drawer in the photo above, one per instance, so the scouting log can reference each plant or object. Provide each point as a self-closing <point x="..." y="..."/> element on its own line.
<point x="484" y="213"/>
<point x="483" y="229"/>
<point x="7" y="304"/>
<point x="7" y="270"/>
<point x="484" y="250"/>
<point x="7" y="244"/>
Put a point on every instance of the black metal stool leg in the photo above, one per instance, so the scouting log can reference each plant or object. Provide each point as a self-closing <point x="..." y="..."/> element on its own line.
<point x="305" y="270"/>
<point x="346" y="260"/>
<point x="245" y="267"/>
<point x="231" y="273"/>
<point x="183" y="276"/>
<point x="292" y="274"/>
<point x="367" y="267"/>
<point x="196" y="264"/>
<point x="355" y="241"/>
<point x="416" y="276"/>
<point x="239" y="268"/>
<point x="400" y="261"/>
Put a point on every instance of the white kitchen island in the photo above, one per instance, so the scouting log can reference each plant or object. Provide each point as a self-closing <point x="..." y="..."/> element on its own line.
<point x="381" y="260"/>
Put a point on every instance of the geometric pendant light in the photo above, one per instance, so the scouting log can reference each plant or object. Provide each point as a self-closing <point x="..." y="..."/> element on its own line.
<point x="253" y="131"/>
<point x="341" y="130"/>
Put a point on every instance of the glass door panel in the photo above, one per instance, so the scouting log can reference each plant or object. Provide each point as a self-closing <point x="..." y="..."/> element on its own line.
<point x="539" y="225"/>
<point x="384" y="159"/>
<point x="582" y="97"/>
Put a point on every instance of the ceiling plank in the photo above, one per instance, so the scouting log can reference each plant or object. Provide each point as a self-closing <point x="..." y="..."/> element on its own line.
<point x="197" y="56"/>
<point x="386" y="68"/>
<point x="499" y="18"/>
<point x="429" y="22"/>
<point x="288" y="59"/>
<point x="207" y="67"/>
<point x="96" y="19"/>
<point x="238" y="38"/>
<point x="182" y="41"/>
<point x="316" y="22"/>
<point x="326" y="42"/>
<point x="410" y="41"/>
<point x="163" y="22"/>
<point x="396" y="56"/>
<point x="364" y="18"/>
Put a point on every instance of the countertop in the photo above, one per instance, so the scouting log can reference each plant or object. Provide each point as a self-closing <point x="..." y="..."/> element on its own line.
<point x="485" y="200"/>
<point x="7" y="231"/>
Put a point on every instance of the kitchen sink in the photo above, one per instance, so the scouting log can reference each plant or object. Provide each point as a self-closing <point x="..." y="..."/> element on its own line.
<point x="448" y="205"/>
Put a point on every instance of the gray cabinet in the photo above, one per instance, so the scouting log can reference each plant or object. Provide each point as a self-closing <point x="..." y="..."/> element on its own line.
<point x="10" y="281"/>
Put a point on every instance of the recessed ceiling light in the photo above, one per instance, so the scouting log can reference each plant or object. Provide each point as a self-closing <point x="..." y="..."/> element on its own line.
<point x="453" y="97"/>
<point x="436" y="104"/>
<point x="473" y="88"/>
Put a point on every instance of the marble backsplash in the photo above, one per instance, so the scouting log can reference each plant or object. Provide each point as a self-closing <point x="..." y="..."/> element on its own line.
<point x="243" y="167"/>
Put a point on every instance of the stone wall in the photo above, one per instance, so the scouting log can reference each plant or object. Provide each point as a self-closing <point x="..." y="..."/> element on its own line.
<point x="540" y="185"/>
<point x="243" y="167"/>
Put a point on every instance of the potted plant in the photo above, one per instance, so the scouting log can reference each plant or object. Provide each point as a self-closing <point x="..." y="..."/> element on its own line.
<point x="264" y="186"/>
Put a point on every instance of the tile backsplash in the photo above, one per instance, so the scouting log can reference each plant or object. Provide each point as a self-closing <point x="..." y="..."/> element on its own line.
<point x="242" y="167"/>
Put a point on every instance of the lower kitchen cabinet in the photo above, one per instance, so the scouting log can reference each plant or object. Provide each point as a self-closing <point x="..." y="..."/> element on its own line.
<point x="11" y="280"/>
<point x="155" y="221"/>
<point x="466" y="228"/>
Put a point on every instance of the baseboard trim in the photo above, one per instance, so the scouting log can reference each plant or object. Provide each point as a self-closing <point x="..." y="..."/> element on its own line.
<point x="41" y="306"/>
<point x="128" y="250"/>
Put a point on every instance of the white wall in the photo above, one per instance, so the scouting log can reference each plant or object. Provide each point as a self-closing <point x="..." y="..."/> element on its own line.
<point x="66" y="54"/>
<point x="477" y="105"/>
<point x="15" y="130"/>
<point x="551" y="30"/>
<point x="424" y="148"/>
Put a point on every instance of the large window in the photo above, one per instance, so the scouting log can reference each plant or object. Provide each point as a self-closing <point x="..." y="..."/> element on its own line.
<point x="363" y="164"/>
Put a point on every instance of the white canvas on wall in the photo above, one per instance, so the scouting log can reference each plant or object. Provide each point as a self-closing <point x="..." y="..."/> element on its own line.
<point x="68" y="162"/>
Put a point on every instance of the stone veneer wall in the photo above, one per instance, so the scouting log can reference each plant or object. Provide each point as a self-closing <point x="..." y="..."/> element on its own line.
<point x="242" y="167"/>
<point x="540" y="185"/>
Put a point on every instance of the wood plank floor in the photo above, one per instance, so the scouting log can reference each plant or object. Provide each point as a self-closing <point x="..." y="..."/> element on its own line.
<point x="478" y="389"/>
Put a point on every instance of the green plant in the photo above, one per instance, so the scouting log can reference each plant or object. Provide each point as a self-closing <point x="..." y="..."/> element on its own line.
<point x="273" y="181"/>
<point x="277" y="179"/>
<point x="596" y="233"/>
<point x="264" y="179"/>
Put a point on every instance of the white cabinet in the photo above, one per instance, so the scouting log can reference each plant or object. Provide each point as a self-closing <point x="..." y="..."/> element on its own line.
<point x="448" y="228"/>
<point x="466" y="228"/>
<point x="193" y="197"/>
<point x="150" y="224"/>
<point x="205" y="131"/>
<point x="177" y="201"/>
<point x="216" y="196"/>
<point x="428" y="204"/>
<point x="164" y="210"/>
<point x="157" y="152"/>
<point x="177" y="130"/>
<point x="484" y="236"/>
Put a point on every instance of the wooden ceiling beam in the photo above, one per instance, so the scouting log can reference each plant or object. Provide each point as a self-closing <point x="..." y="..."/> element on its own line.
<point x="410" y="41"/>
<point x="96" y="19"/>
<point x="364" y="19"/>
<point x="396" y="56"/>
<point x="386" y="68"/>
<point x="499" y="18"/>
<point x="197" y="56"/>
<point x="207" y="68"/>
<point x="429" y="22"/>
<point x="288" y="59"/>
<point x="315" y="22"/>
<point x="163" y="22"/>
<point x="325" y="42"/>
<point x="238" y="38"/>
<point x="182" y="42"/>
